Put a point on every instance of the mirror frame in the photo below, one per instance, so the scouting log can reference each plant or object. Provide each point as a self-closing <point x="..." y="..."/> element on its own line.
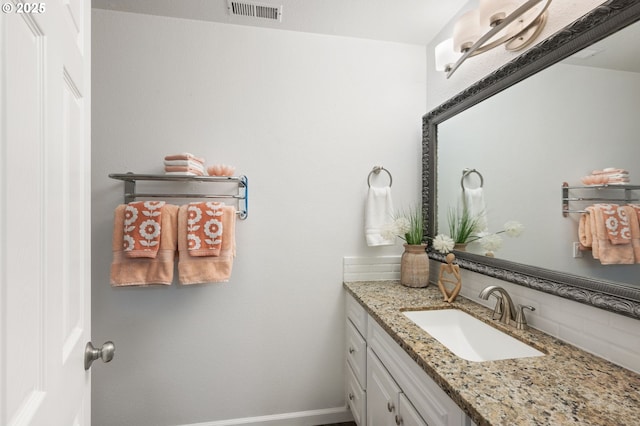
<point x="602" y="21"/>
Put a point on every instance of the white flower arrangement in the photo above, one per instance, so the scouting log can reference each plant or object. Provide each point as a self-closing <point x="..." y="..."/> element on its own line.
<point x="408" y="225"/>
<point x="464" y="230"/>
<point x="443" y="243"/>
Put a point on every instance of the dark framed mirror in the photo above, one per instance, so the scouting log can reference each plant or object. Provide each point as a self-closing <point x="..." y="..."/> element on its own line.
<point x="605" y="20"/>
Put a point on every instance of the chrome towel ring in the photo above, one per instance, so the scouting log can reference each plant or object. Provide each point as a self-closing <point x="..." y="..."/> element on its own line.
<point x="376" y="170"/>
<point x="467" y="172"/>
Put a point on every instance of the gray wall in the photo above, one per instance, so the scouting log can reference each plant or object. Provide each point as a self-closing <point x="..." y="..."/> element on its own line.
<point x="305" y="117"/>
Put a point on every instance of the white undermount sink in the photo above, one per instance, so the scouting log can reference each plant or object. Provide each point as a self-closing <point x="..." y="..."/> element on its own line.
<point x="468" y="337"/>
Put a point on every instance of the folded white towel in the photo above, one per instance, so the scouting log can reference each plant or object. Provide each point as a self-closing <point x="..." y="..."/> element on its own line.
<point x="378" y="213"/>
<point x="474" y="203"/>
<point x="181" y="174"/>
<point x="609" y="171"/>
<point x="619" y="175"/>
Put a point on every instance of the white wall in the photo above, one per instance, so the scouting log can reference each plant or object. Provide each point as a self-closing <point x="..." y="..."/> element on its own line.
<point x="305" y="117"/>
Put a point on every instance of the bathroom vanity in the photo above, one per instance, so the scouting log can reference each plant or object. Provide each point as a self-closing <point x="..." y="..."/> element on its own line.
<point x="384" y="385"/>
<point x="399" y="374"/>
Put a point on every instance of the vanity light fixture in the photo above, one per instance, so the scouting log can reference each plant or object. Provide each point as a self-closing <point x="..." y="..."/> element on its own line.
<point x="516" y="24"/>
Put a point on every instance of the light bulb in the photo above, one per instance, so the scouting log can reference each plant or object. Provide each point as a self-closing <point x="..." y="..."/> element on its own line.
<point x="466" y="31"/>
<point x="445" y="55"/>
<point x="491" y="12"/>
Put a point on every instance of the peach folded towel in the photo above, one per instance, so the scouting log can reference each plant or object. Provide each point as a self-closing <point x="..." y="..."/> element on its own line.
<point x="595" y="246"/>
<point x="584" y="230"/>
<point x="184" y="156"/>
<point x="142" y="227"/>
<point x="608" y="253"/>
<point x="606" y="176"/>
<point x="193" y="163"/>
<point x="143" y="271"/>
<point x="634" y="221"/>
<point x="618" y="180"/>
<point x="185" y="163"/>
<point x="209" y="269"/>
<point x="204" y="228"/>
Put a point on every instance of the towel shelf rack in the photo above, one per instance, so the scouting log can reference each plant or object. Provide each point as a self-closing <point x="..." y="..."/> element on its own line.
<point x="567" y="198"/>
<point x="242" y="193"/>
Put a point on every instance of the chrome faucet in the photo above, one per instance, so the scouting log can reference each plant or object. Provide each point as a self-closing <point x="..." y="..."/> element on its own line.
<point x="521" y="321"/>
<point x="504" y="306"/>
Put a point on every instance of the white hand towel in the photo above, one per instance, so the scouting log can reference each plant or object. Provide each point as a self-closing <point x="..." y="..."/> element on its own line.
<point x="378" y="213"/>
<point x="474" y="203"/>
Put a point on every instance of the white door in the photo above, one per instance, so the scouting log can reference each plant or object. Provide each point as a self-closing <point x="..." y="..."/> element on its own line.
<point x="45" y="314"/>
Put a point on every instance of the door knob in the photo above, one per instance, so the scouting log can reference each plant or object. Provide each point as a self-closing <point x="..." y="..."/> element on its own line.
<point x="91" y="354"/>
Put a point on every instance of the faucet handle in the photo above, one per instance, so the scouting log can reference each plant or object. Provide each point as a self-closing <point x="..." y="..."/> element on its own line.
<point x="497" y="310"/>
<point x="521" y="321"/>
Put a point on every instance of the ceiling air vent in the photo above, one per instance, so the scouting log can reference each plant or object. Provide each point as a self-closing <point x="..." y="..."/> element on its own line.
<point x="255" y="10"/>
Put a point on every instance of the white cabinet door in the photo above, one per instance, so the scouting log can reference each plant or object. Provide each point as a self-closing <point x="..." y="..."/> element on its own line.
<point x="382" y="393"/>
<point x="407" y="414"/>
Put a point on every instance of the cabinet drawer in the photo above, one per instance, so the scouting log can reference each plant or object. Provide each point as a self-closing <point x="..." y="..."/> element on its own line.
<point x="356" y="348"/>
<point x="356" y="398"/>
<point x="356" y="314"/>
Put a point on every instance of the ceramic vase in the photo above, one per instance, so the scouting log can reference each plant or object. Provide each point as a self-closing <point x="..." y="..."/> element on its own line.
<point x="460" y="246"/>
<point x="414" y="266"/>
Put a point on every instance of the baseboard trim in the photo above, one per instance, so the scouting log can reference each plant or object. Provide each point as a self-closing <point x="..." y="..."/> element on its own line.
<point x="301" y="418"/>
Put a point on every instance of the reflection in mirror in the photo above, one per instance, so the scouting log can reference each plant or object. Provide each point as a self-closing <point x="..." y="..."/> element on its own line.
<point x="557" y="126"/>
<point x="553" y="126"/>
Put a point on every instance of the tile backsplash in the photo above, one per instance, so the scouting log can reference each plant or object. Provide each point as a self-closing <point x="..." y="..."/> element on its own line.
<point x="375" y="268"/>
<point x="611" y="336"/>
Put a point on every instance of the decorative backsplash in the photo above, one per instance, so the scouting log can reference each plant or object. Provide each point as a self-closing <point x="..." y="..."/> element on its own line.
<point x="375" y="268"/>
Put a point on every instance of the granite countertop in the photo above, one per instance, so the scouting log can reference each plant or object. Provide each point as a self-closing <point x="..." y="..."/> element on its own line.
<point x="566" y="386"/>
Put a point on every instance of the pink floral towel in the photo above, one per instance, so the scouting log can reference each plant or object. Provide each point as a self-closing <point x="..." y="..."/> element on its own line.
<point x="204" y="228"/>
<point x="142" y="228"/>
<point x="616" y="222"/>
